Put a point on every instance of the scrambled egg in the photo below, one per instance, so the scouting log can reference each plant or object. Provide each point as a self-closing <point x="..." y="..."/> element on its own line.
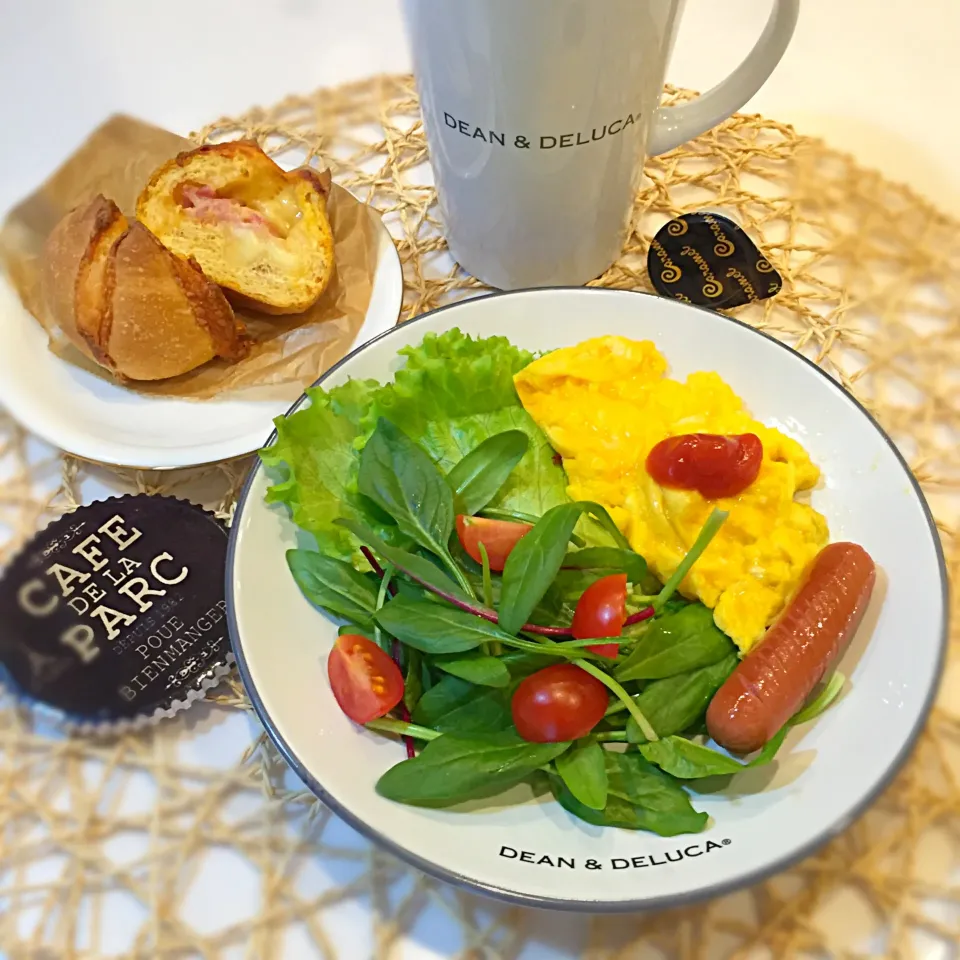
<point x="605" y="403"/>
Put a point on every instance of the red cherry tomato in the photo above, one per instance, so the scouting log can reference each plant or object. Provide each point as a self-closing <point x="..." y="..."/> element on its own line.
<point x="600" y="612"/>
<point x="498" y="537"/>
<point x="558" y="703"/>
<point x="365" y="681"/>
<point x="716" y="466"/>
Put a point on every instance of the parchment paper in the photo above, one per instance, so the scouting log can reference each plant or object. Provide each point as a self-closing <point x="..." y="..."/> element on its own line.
<point x="289" y="352"/>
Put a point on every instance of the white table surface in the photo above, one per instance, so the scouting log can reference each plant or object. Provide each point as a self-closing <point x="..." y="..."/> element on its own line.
<point x="875" y="79"/>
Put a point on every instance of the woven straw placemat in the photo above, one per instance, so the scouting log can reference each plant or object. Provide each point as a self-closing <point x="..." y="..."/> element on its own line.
<point x="871" y="292"/>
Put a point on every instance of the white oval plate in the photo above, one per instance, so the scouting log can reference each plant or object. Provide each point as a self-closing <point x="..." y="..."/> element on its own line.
<point x="535" y="853"/>
<point x="101" y="421"/>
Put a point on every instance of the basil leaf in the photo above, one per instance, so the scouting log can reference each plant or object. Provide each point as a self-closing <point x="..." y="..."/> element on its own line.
<point x="476" y="668"/>
<point x="687" y="760"/>
<point x="476" y="479"/>
<point x="399" y="477"/>
<point x="455" y="706"/>
<point x="413" y="682"/>
<point x="639" y="797"/>
<point x="434" y="627"/>
<point x="454" y="768"/>
<point x="533" y="564"/>
<point x="583" y="770"/>
<point x="677" y="643"/>
<point x="608" y="558"/>
<point x="416" y="567"/>
<point x="334" y="585"/>
<point x="676" y="703"/>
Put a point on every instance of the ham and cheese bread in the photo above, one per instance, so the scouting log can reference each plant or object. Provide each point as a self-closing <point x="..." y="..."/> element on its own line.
<point x="258" y="231"/>
<point x="128" y="303"/>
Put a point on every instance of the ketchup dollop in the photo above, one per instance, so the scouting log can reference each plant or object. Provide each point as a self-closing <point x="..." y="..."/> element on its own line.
<point x="713" y="464"/>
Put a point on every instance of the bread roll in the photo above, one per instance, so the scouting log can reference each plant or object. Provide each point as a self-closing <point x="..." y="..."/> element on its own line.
<point x="130" y="304"/>
<point x="258" y="231"/>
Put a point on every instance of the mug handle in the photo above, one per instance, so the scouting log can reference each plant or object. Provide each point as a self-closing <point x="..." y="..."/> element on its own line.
<point x="675" y="125"/>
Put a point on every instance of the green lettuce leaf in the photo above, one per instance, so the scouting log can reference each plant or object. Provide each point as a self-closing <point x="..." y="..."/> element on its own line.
<point x="455" y="392"/>
<point x="315" y="462"/>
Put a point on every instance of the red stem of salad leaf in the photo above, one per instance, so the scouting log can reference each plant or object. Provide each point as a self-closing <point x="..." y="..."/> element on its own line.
<point x="645" y="614"/>
<point x="491" y="615"/>
<point x="404" y="712"/>
<point x="461" y="604"/>
<point x="394" y="648"/>
<point x="378" y="570"/>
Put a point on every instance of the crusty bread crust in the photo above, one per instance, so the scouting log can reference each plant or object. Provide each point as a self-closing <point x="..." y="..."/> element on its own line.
<point x="128" y="303"/>
<point x="278" y="256"/>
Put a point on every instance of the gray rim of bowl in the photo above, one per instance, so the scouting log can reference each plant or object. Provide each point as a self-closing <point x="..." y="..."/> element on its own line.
<point x="596" y="906"/>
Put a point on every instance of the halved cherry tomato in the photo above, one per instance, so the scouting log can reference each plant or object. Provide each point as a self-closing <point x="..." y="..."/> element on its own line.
<point x="558" y="703"/>
<point x="600" y="612"/>
<point x="365" y="681"/>
<point x="498" y="537"/>
<point x="715" y="465"/>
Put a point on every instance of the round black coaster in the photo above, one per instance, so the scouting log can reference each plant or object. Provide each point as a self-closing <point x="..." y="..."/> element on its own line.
<point x="116" y="612"/>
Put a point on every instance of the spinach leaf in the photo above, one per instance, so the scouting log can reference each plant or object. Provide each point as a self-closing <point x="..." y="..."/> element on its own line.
<point x="608" y="559"/>
<point x="522" y="664"/>
<point x="674" y="704"/>
<point x="413" y="681"/>
<point x="455" y="706"/>
<point x="455" y="767"/>
<point x="687" y="760"/>
<point x="639" y="797"/>
<point x="476" y="668"/>
<point x="772" y="746"/>
<point x="434" y="627"/>
<point x="400" y="478"/>
<point x="452" y="393"/>
<point x="677" y="643"/>
<point x="820" y="702"/>
<point x="477" y="478"/>
<point x="533" y="564"/>
<point x="584" y="773"/>
<point x="334" y="585"/>
<point x="599" y="513"/>
<point x="417" y="568"/>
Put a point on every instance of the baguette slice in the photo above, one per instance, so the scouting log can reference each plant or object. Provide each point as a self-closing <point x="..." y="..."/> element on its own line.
<point x="258" y="231"/>
<point x="128" y="303"/>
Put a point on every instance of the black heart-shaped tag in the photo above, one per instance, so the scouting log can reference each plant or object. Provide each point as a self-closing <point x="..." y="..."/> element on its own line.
<point x="707" y="259"/>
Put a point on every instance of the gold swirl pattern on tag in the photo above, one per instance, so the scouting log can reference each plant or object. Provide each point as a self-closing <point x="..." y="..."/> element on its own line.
<point x="764" y="265"/>
<point x="671" y="272"/>
<point x="723" y="247"/>
<point x="677" y="228"/>
<point x="712" y="288"/>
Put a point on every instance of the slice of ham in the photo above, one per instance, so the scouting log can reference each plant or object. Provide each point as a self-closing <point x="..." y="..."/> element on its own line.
<point x="203" y="202"/>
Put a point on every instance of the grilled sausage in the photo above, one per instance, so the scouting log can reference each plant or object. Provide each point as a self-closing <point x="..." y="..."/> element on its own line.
<point x="771" y="683"/>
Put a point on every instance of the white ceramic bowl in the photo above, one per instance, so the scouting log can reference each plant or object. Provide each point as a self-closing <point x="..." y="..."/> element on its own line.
<point x="828" y="771"/>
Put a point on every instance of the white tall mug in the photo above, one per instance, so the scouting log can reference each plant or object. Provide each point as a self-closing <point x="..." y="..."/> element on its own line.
<point x="539" y="115"/>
